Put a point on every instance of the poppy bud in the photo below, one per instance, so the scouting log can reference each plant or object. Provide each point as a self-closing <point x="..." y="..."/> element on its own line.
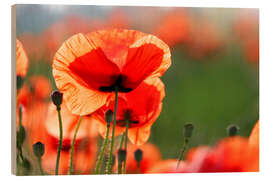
<point x="138" y="155"/>
<point x="109" y="117"/>
<point x="232" y="130"/>
<point x="20" y="112"/>
<point x="19" y="81"/>
<point x="57" y="98"/>
<point x="26" y="164"/>
<point x="20" y="136"/>
<point x="38" y="149"/>
<point x="188" y="128"/>
<point x="121" y="155"/>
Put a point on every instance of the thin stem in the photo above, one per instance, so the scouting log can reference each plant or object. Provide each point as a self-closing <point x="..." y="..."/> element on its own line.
<point x="20" y="155"/>
<point x="114" y="124"/>
<point x="120" y="147"/>
<point x="60" y="139"/>
<point x="72" y="146"/>
<point x="18" y="166"/>
<point x="181" y="155"/>
<point x="101" y="155"/>
<point x="139" y="167"/>
<point x="126" y="138"/>
<point x="119" y="167"/>
<point x="40" y="167"/>
<point x="122" y="141"/>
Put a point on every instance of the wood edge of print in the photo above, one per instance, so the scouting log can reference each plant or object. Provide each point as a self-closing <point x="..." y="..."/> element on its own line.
<point x="13" y="90"/>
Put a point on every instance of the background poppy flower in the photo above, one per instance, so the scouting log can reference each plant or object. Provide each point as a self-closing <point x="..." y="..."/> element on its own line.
<point x="229" y="155"/>
<point x="205" y="39"/>
<point x="37" y="88"/>
<point x="174" y="27"/>
<point x="143" y="105"/>
<point x="151" y="156"/>
<point x="85" y="144"/>
<point x="246" y="27"/>
<point x="87" y="68"/>
<point x="21" y="60"/>
<point x="166" y="166"/>
<point x="254" y="139"/>
<point x="84" y="154"/>
<point x="69" y="122"/>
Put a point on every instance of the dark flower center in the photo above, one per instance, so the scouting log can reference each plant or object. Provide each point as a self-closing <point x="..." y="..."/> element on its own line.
<point x="118" y="83"/>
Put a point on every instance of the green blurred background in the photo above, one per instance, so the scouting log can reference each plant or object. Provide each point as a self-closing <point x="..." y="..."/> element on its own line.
<point x="211" y="91"/>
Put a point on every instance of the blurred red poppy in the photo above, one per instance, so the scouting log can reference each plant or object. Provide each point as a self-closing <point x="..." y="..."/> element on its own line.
<point x="254" y="136"/>
<point x="150" y="156"/>
<point x="142" y="106"/>
<point x="33" y="45"/>
<point x="21" y="60"/>
<point x="251" y="50"/>
<point x="37" y="88"/>
<point x="87" y="68"/>
<point x="166" y="166"/>
<point x="247" y="30"/>
<point x="231" y="154"/>
<point x="205" y="39"/>
<point x="85" y="144"/>
<point x="174" y="27"/>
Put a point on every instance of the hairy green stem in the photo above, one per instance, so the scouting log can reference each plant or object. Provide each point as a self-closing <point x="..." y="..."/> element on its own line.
<point x="113" y="130"/>
<point x="60" y="139"/>
<point x="101" y="155"/>
<point x="72" y="146"/>
<point x="181" y="155"/>
<point x="126" y="138"/>
<point x="40" y="167"/>
<point x="120" y="147"/>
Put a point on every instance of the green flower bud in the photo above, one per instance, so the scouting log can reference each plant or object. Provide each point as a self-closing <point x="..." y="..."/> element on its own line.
<point x="138" y="155"/>
<point x="38" y="149"/>
<point x="19" y="81"/>
<point x="188" y="129"/>
<point x="232" y="130"/>
<point x="20" y="136"/>
<point x="121" y="155"/>
<point x="26" y="165"/>
<point x="109" y="117"/>
<point x="57" y="98"/>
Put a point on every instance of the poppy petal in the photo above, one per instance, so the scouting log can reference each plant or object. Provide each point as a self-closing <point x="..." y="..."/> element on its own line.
<point x="139" y="136"/>
<point x="253" y="139"/>
<point x="21" y="60"/>
<point x="115" y="43"/>
<point x="149" y="56"/>
<point x="80" y="99"/>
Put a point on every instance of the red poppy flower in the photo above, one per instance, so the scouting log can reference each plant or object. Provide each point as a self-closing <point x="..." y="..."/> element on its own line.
<point x="254" y="136"/>
<point x="85" y="143"/>
<point x="37" y="88"/>
<point x="205" y="40"/>
<point x="251" y="49"/>
<point x="247" y="30"/>
<point x="33" y="45"/>
<point x="33" y="119"/>
<point x="151" y="156"/>
<point x="246" y="24"/>
<point x="69" y="122"/>
<point x="87" y="68"/>
<point x="166" y="166"/>
<point x="117" y="19"/>
<point x="142" y="105"/>
<point x="174" y="27"/>
<point x="21" y="60"/>
<point x="229" y="155"/>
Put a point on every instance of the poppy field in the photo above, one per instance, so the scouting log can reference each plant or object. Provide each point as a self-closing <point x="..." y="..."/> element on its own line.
<point x="136" y="90"/>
